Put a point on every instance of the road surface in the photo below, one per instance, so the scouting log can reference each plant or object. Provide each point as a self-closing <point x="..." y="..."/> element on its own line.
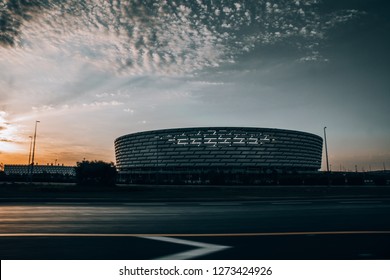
<point x="270" y="229"/>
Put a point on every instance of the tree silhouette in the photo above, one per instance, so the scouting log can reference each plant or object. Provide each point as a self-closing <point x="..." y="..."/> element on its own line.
<point x="96" y="173"/>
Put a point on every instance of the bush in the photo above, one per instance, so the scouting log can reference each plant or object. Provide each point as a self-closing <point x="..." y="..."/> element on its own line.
<point x="96" y="173"/>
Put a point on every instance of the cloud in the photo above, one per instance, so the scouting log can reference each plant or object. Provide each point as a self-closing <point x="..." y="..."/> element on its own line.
<point x="44" y="108"/>
<point x="77" y="107"/>
<point x="7" y="140"/>
<point x="128" y="110"/>
<point x="156" y="37"/>
<point x="9" y="133"/>
<point x="207" y="83"/>
<point x="97" y="104"/>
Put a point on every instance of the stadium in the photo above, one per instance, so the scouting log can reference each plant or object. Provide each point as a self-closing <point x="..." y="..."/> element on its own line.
<point x="215" y="154"/>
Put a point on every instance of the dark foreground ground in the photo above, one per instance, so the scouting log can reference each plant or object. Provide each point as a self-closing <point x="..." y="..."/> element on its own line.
<point x="121" y="193"/>
<point x="305" y="247"/>
<point x="224" y="222"/>
<point x="270" y="229"/>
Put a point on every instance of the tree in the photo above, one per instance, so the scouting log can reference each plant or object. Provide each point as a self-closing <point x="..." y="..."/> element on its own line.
<point x="97" y="173"/>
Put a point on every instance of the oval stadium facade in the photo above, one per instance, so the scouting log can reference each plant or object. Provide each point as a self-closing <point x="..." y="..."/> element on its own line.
<point x="198" y="154"/>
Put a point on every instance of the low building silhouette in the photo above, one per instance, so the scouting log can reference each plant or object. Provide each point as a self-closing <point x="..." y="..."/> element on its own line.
<point x="24" y="169"/>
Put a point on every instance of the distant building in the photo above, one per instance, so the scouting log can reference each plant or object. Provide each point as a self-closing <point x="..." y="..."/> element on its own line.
<point x="20" y="169"/>
<point x="197" y="154"/>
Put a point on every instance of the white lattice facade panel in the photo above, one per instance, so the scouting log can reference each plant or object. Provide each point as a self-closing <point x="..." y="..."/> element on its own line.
<point x="221" y="147"/>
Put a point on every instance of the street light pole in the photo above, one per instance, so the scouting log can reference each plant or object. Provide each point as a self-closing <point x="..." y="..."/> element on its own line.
<point x="326" y="151"/>
<point x="33" y="151"/>
<point x="29" y="155"/>
<point x="157" y="160"/>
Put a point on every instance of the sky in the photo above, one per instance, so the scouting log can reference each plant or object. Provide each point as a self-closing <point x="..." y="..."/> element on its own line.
<point x="92" y="70"/>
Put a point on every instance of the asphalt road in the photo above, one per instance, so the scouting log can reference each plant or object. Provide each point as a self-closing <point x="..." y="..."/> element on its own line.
<point x="271" y="229"/>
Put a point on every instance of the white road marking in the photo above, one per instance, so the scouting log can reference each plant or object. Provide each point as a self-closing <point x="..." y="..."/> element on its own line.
<point x="66" y="203"/>
<point x="291" y="203"/>
<point x="219" y="203"/>
<point x="365" y="255"/>
<point x="145" y="204"/>
<point x="360" y="202"/>
<point x="201" y="250"/>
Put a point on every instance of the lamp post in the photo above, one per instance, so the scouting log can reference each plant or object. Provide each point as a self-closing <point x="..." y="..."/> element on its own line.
<point x="33" y="150"/>
<point x="29" y="155"/>
<point x="157" y="160"/>
<point x="326" y="151"/>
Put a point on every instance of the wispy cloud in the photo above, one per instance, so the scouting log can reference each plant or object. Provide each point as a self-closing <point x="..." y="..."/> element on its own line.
<point x="97" y="104"/>
<point x="157" y="37"/>
<point x="58" y="53"/>
<point x="66" y="108"/>
<point x="9" y="134"/>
